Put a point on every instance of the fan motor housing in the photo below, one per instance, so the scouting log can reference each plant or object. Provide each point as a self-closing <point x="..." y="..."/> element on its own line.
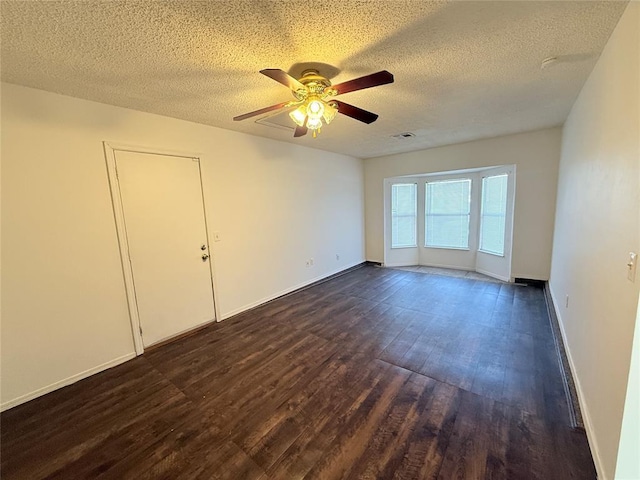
<point x="314" y="82"/>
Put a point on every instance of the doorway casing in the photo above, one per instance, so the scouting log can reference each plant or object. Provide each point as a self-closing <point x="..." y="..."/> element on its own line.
<point x="110" y="150"/>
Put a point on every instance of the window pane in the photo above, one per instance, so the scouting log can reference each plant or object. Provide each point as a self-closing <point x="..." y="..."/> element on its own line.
<point x="403" y="215"/>
<point x="493" y="216"/>
<point x="447" y="207"/>
<point x="403" y="232"/>
<point x="448" y="231"/>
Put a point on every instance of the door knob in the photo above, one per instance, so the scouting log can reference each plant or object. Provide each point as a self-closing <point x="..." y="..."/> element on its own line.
<point x="203" y="247"/>
<point x="204" y="257"/>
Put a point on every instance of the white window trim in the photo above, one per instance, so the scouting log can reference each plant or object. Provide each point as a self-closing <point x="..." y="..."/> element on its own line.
<point x="471" y="259"/>
<point x="480" y="249"/>
<point x="471" y="186"/>
<point x="415" y="244"/>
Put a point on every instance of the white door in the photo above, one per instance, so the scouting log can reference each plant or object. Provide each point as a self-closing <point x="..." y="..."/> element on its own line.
<point x="167" y="241"/>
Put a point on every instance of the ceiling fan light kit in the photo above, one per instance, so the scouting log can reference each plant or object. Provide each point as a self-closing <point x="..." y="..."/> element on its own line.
<point x="314" y="99"/>
<point x="315" y="105"/>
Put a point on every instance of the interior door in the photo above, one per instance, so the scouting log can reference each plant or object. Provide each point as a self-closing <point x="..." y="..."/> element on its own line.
<point x="167" y="240"/>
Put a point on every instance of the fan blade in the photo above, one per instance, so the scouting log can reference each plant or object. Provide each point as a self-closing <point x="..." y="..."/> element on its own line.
<point x="262" y="110"/>
<point x="355" y="112"/>
<point x="301" y="131"/>
<point x="368" y="81"/>
<point x="283" y="77"/>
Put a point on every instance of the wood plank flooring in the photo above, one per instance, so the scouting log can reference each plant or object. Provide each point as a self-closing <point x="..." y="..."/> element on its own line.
<point x="376" y="374"/>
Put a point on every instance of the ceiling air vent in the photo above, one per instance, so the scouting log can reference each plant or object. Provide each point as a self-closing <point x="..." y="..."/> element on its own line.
<point x="404" y="135"/>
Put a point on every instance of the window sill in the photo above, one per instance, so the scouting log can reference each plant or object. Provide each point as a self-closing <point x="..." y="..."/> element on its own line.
<point x="460" y="249"/>
<point x="404" y="246"/>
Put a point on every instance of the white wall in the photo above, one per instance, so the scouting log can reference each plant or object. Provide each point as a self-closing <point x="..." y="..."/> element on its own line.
<point x="536" y="156"/>
<point x="64" y="313"/>
<point x="597" y="225"/>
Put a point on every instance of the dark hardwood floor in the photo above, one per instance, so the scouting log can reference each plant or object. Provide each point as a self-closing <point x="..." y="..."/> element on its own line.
<point x="377" y="374"/>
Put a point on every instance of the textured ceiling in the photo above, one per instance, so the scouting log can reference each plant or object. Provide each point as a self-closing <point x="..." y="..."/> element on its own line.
<point x="463" y="70"/>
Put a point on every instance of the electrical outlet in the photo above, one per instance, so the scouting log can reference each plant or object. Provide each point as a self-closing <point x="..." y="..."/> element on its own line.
<point x="631" y="265"/>
<point x="307" y="263"/>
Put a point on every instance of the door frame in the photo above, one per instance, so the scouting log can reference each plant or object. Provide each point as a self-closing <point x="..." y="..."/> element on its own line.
<point x="110" y="149"/>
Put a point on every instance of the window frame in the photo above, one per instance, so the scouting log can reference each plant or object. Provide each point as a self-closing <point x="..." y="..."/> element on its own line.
<point x="469" y="212"/>
<point x="503" y="214"/>
<point x="415" y="215"/>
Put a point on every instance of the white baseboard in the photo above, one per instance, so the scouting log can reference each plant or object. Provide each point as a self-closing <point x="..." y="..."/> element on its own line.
<point x="251" y="305"/>
<point x="450" y="267"/>
<point x="401" y="264"/>
<point x="584" y="408"/>
<point x="117" y="361"/>
<point x="434" y="265"/>
<point x="67" y="381"/>
<point x="493" y="275"/>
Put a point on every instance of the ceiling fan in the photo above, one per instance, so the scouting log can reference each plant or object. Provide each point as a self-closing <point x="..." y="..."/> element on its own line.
<point x="314" y="98"/>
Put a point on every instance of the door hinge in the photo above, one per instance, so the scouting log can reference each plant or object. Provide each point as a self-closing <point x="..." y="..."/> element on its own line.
<point x="140" y="328"/>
